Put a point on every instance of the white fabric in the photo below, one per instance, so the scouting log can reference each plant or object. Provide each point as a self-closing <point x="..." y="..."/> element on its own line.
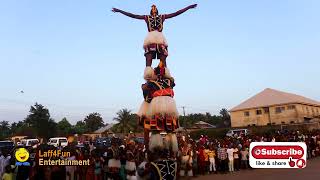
<point x="212" y="164"/>
<point x="149" y="73"/>
<point x="155" y="141"/>
<point x="230" y="152"/>
<point x="114" y="163"/>
<point x="231" y="167"/>
<point x="143" y="109"/>
<point x="155" y="37"/>
<point x="163" y="105"/>
<point x="130" y="166"/>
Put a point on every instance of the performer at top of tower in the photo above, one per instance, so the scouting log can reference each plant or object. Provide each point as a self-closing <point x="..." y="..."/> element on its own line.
<point x="155" y="44"/>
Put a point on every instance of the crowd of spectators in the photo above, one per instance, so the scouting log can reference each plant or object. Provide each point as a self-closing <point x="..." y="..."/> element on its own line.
<point x="196" y="157"/>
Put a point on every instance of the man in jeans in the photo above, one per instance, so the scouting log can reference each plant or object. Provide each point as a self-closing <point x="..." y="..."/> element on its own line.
<point x="222" y="156"/>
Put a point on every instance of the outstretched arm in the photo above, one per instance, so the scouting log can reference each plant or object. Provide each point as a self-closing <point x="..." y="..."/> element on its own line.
<point x="135" y="16"/>
<point x="180" y="11"/>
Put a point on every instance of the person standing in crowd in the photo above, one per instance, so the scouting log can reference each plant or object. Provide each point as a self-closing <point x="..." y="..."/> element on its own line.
<point x="236" y="158"/>
<point x="222" y="156"/>
<point x="230" y="152"/>
<point x="212" y="155"/>
<point x="206" y="158"/>
<point x="130" y="166"/>
<point x="244" y="157"/>
<point x="70" y="170"/>
<point x="201" y="159"/>
<point x="1" y="163"/>
<point x="194" y="160"/>
<point x="8" y="174"/>
<point x="186" y="161"/>
<point x="97" y="169"/>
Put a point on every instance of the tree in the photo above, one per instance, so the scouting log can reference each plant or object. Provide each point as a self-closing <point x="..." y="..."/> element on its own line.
<point x="39" y="119"/>
<point x="127" y="121"/>
<point x="225" y="117"/>
<point x="4" y="129"/>
<point x="93" y="122"/>
<point x="64" y="128"/>
<point x="80" y="127"/>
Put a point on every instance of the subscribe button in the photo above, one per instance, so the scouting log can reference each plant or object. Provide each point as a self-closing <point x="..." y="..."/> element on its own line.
<point x="278" y="155"/>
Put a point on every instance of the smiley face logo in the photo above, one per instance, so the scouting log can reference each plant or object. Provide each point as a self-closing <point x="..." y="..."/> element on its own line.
<point x="22" y="155"/>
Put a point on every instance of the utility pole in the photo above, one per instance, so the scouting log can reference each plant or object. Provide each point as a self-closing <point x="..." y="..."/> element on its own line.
<point x="184" y="117"/>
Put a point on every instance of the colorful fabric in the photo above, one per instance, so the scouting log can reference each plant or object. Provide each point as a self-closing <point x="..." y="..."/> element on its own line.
<point x="222" y="153"/>
<point x="211" y="154"/>
<point x="151" y="88"/>
<point x="156" y="50"/>
<point x="163" y="92"/>
<point x="160" y="123"/>
<point x="155" y="23"/>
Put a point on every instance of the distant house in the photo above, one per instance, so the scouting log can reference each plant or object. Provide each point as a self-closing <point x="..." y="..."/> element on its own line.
<point x="17" y="138"/>
<point x="273" y="107"/>
<point x="102" y="132"/>
<point x="203" y="125"/>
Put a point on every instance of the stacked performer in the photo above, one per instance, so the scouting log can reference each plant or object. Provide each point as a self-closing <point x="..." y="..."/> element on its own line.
<point x="158" y="112"/>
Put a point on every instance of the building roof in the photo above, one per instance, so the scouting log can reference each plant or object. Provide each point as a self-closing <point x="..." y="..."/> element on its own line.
<point x="269" y="97"/>
<point x="104" y="129"/>
<point x="202" y="123"/>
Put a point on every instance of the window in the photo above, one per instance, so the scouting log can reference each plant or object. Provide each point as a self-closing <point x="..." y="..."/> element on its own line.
<point x="266" y="110"/>
<point x="246" y="113"/>
<point x="259" y="112"/>
<point x="291" y="107"/>
<point x="292" y="122"/>
<point x="282" y="122"/>
<point x="280" y="109"/>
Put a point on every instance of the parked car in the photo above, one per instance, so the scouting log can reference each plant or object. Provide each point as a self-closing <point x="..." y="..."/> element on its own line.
<point x="58" y="141"/>
<point x="102" y="142"/>
<point x="237" y="132"/>
<point x="29" y="143"/>
<point x="6" y="145"/>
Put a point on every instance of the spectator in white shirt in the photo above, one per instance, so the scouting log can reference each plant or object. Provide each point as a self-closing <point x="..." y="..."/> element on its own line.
<point x="230" y="153"/>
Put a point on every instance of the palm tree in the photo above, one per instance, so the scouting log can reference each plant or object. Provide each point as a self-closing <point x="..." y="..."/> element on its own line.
<point x="124" y="116"/>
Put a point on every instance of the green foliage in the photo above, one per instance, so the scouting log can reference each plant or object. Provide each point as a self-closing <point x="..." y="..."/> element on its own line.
<point x="64" y="128"/>
<point x="93" y="122"/>
<point x="127" y="122"/>
<point x="221" y="120"/>
<point x="39" y="119"/>
<point x="4" y="129"/>
<point x="80" y="127"/>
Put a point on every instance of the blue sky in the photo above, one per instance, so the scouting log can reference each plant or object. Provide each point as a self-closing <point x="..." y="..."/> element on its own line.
<point x="77" y="57"/>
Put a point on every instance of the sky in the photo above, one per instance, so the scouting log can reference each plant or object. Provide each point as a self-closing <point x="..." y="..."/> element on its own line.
<point x="78" y="57"/>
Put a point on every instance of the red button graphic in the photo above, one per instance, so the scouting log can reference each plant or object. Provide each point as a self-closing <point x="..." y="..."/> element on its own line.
<point x="277" y="152"/>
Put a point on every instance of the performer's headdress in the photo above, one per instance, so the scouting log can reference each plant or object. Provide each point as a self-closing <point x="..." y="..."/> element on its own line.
<point x="156" y="9"/>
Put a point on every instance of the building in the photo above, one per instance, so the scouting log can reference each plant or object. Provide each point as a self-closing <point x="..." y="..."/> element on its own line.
<point x="102" y="132"/>
<point x="202" y="125"/>
<point x="273" y="107"/>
